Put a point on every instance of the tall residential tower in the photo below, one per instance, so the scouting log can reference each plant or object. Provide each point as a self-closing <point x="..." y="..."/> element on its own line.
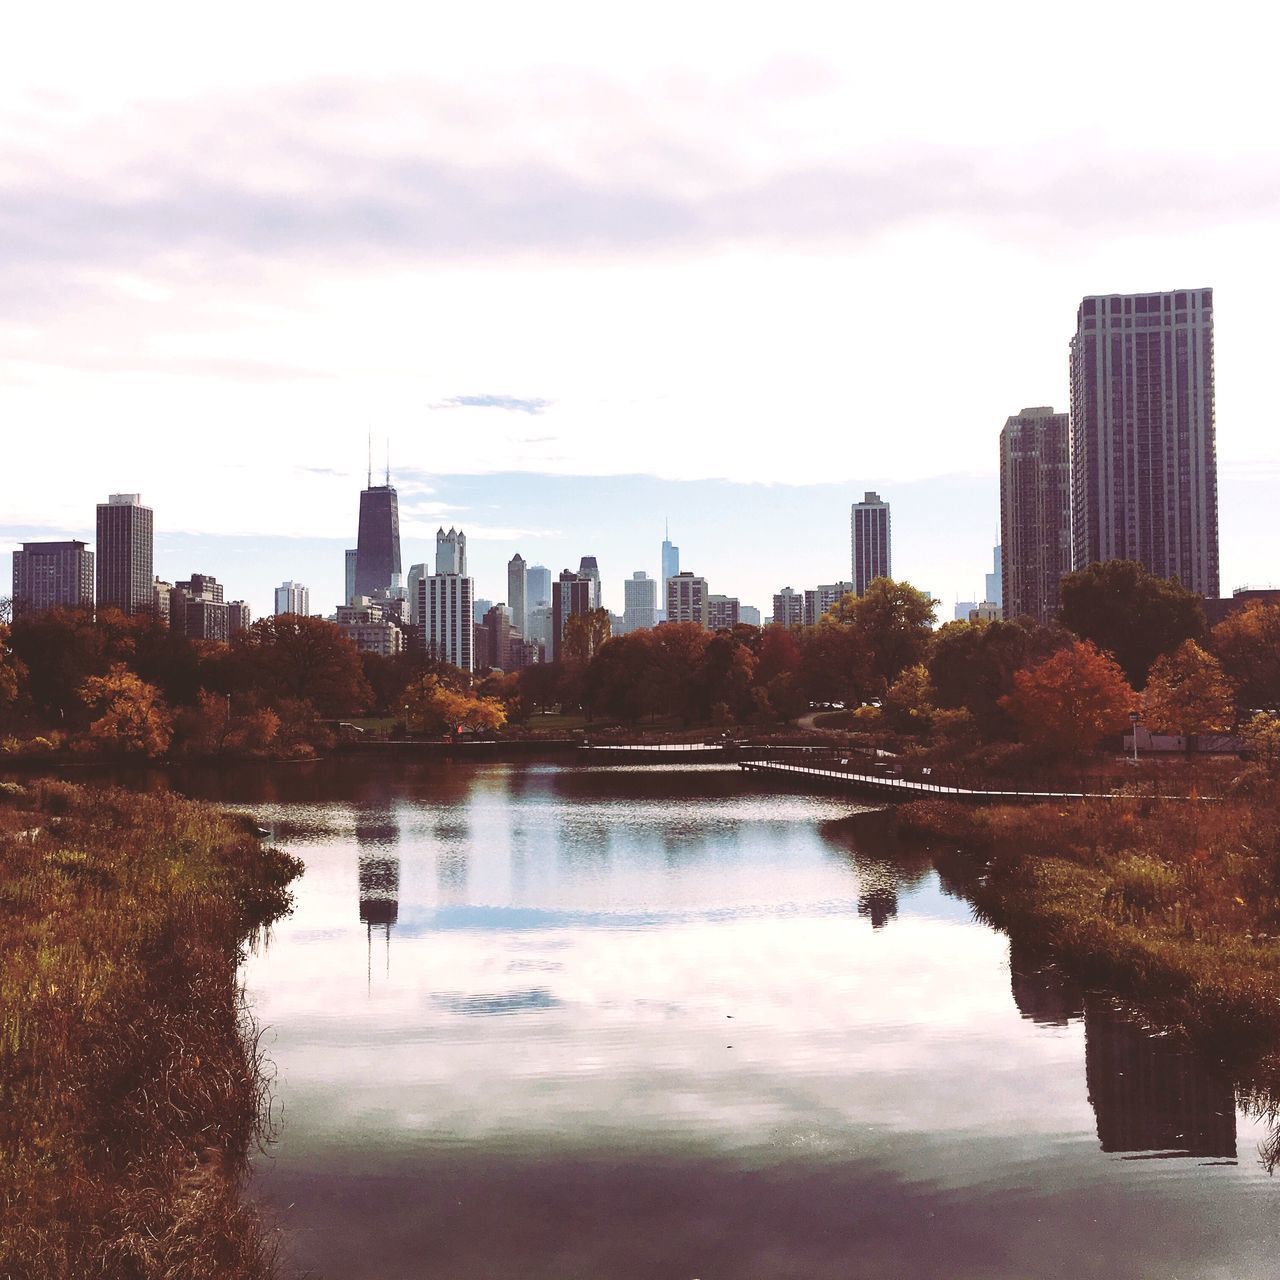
<point x="1035" y="513"/>
<point x="125" y="554"/>
<point x="1144" y="467"/>
<point x="870" y="540"/>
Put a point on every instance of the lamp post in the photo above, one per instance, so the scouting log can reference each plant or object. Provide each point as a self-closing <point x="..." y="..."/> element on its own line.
<point x="1133" y="721"/>
<point x="407" y="734"/>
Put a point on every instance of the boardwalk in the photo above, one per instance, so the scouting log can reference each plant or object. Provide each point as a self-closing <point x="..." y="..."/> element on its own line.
<point x="890" y="787"/>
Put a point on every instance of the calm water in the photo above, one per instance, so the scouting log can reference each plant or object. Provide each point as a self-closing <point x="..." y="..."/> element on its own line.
<point x="539" y="1022"/>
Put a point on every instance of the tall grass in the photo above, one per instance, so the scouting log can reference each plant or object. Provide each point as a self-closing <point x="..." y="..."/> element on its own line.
<point x="131" y="1084"/>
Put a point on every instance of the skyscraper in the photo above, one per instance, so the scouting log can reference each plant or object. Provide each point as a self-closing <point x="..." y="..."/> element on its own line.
<point x="688" y="599"/>
<point x="1144" y="468"/>
<point x="995" y="579"/>
<point x="125" y="558"/>
<point x="870" y="537"/>
<point x="570" y="594"/>
<point x="1035" y="512"/>
<point x="378" y="541"/>
<point x="639" y="602"/>
<point x="349" y="592"/>
<point x="588" y="568"/>
<point x="788" y="608"/>
<point x="293" y="597"/>
<point x="51" y="574"/>
<point x="670" y="563"/>
<point x="451" y="551"/>
<point x="517" y="584"/>
<point x="445" y="603"/>
<point x="537" y="587"/>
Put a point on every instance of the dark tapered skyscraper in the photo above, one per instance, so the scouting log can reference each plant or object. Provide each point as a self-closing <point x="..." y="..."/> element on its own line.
<point x="378" y="543"/>
<point x="1144" y="469"/>
<point x="1035" y="512"/>
<point x="125" y="554"/>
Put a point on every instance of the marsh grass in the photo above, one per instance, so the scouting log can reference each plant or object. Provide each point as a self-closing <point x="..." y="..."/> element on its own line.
<point x="132" y="1086"/>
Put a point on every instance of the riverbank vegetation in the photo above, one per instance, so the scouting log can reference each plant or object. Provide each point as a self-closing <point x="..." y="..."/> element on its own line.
<point x="131" y="1084"/>
<point x="1174" y="904"/>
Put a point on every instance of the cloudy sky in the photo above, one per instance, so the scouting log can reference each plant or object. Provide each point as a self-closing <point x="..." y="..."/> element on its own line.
<point x="730" y="264"/>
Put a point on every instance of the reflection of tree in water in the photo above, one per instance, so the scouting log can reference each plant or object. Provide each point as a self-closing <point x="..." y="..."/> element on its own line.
<point x="1043" y="993"/>
<point x="1150" y="1093"/>
<point x="885" y="864"/>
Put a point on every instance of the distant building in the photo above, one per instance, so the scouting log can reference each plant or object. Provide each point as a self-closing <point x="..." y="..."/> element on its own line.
<point x="1035" y="512"/>
<point x="670" y="563"/>
<point x="1241" y="598"/>
<point x="539" y="623"/>
<point x="125" y="556"/>
<point x="349" y="595"/>
<point x="49" y="575"/>
<point x="871" y="538"/>
<point x="238" y="617"/>
<point x="365" y="623"/>
<point x="995" y="579"/>
<point x="517" y="588"/>
<point x="378" y="541"/>
<point x="788" y="608"/>
<point x="722" y="613"/>
<point x="749" y="614"/>
<point x="537" y="587"/>
<point x="688" y="599"/>
<point x="588" y="568"/>
<point x="987" y="611"/>
<point x="197" y="609"/>
<point x="640" y="602"/>
<point x="293" y="597"/>
<point x="570" y="594"/>
<point x="820" y="600"/>
<point x="478" y="609"/>
<point x="501" y="641"/>
<point x="962" y="609"/>
<point x="160" y="599"/>
<point x="1144" y="469"/>
<point x="416" y="574"/>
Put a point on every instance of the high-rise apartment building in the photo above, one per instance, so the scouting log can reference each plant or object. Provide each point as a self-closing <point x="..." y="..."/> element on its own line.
<point x="749" y="614"/>
<point x="639" y="602"/>
<point x="446" y="603"/>
<point x="161" y="591"/>
<point x="818" y="600"/>
<point x="570" y="594"/>
<point x="239" y="617"/>
<point x="378" y="541"/>
<point x="125" y="555"/>
<point x="49" y="575"/>
<point x="293" y="597"/>
<point x="688" y="599"/>
<point x="589" y="569"/>
<point x="517" y="591"/>
<point x="722" y="613"/>
<point x="349" y="591"/>
<point x="1144" y="467"/>
<point x="788" y="608"/>
<point x="1035" y="512"/>
<point x="197" y="608"/>
<point x="870" y="538"/>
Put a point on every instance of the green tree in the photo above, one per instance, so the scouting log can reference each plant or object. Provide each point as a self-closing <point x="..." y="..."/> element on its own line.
<point x="621" y="680"/>
<point x="1071" y="699"/>
<point x="12" y="673"/>
<point x="1187" y="693"/>
<point x="300" y="658"/>
<point x="896" y="622"/>
<point x="837" y="662"/>
<point x="1130" y="613"/>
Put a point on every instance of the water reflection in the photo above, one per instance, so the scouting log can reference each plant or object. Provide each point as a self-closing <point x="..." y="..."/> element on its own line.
<point x="378" y="875"/>
<point x="1151" y="1094"/>
<point x="1043" y="993"/>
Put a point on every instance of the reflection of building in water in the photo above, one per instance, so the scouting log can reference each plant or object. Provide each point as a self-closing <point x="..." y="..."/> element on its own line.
<point x="378" y="871"/>
<point x="879" y="905"/>
<point x="1042" y="992"/>
<point x="1150" y="1094"/>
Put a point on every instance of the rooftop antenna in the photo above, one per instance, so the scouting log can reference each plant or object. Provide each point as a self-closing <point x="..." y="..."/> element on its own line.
<point x="388" y="462"/>
<point x="370" y="484"/>
<point x="667" y="531"/>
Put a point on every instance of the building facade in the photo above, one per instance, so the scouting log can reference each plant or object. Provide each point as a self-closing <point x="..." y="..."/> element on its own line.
<point x="293" y="597"/>
<point x="639" y="602"/>
<point x="688" y="599"/>
<point x="126" y="553"/>
<point x="870" y="538"/>
<point x="749" y="614"/>
<point x="589" y="569"/>
<point x="995" y="579"/>
<point x="364" y="622"/>
<point x="1035" y="512"/>
<point x="818" y="600"/>
<point x="198" y="610"/>
<point x="48" y="575"/>
<point x="378" y="541"/>
<point x="349" y="593"/>
<point x="161" y="592"/>
<point x="570" y="594"/>
<point x="723" y="613"/>
<point x="517" y="588"/>
<point x="1144" y="463"/>
<point x="537" y="587"/>
<point x="239" y="617"/>
<point x="788" y="608"/>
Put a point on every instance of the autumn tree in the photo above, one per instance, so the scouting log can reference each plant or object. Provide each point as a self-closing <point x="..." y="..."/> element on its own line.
<point x="1130" y="613"/>
<point x="435" y="708"/>
<point x="1187" y="693"/>
<point x="297" y="657"/>
<point x="131" y="716"/>
<point x="1248" y="645"/>
<point x="837" y="662"/>
<point x="1071" y="699"/>
<point x="584" y="635"/>
<point x="12" y="672"/>
<point x="60" y="649"/>
<point x="896" y="622"/>
<point x="620" y="681"/>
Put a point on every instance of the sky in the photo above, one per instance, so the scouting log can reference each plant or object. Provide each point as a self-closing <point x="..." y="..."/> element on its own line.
<point x="588" y="269"/>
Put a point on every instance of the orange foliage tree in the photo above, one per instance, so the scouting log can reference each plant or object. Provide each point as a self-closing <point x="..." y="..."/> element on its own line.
<point x="1071" y="699"/>
<point x="131" y="715"/>
<point x="1248" y="644"/>
<point x="434" y="708"/>
<point x="1188" y="693"/>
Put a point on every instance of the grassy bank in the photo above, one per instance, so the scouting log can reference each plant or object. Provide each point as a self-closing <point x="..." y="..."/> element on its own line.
<point x="130" y="1082"/>
<point x="1175" y="905"/>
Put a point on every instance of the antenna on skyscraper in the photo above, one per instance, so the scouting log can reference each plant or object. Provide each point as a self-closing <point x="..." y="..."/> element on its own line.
<point x="388" y="462"/>
<point x="370" y="483"/>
